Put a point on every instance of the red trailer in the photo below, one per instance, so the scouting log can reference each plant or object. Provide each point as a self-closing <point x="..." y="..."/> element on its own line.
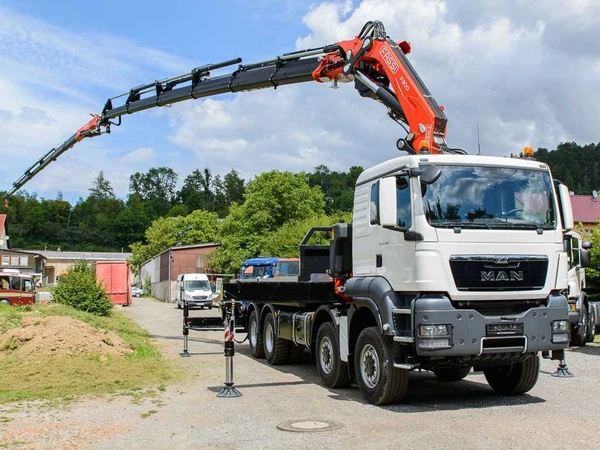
<point x="115" y="277"/>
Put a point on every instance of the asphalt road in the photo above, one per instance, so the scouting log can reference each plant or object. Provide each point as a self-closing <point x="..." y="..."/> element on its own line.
<point x="557" y="413"/>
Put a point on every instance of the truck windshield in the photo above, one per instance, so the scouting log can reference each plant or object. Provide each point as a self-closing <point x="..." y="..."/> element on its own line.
<point x="490" y="197"/>
<point x="254" y="272"/>
<point x="195" y="285"/>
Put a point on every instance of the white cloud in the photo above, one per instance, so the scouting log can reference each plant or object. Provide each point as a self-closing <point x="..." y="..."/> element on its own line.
<point x="494" y="64"/>
<point x="142" y="155"/>
<point x="526" y="72"/>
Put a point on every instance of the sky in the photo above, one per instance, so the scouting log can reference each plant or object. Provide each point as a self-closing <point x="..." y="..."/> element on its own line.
<point x="526" y="73"/>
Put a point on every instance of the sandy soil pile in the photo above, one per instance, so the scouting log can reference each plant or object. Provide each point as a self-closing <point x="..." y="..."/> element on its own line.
<point x="60" y="336"/>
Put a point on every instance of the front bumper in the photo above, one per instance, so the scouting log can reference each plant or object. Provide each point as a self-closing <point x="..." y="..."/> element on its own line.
<point x="473" y="334"/>
<point x="199" y="302"/>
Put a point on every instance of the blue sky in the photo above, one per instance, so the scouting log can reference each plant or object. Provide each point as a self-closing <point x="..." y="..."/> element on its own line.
<point x="513" y="67"/>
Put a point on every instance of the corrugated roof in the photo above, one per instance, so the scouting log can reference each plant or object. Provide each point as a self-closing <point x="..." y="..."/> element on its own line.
<point x="91" y="256"/>
<point x="585" y="209"/>
<point x="184" y="247"/>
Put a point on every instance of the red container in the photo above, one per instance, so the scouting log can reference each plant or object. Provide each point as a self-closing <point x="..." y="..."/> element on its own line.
<point x="114" y="276"/>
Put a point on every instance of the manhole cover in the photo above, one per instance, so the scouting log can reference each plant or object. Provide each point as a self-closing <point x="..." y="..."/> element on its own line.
<point x="309" y="426"/>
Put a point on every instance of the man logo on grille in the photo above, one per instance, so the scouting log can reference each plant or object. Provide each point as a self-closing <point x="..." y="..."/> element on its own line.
<point x="502" y="275"/>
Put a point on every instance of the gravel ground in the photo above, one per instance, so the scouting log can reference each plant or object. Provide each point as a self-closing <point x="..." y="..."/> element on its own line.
<point x="557" y="413"/>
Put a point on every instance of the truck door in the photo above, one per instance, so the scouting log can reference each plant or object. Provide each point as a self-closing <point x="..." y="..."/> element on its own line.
<point x="392" y="256"/>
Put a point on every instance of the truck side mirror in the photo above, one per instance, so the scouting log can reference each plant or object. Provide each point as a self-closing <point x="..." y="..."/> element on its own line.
<point x="587" y="245"/>
<point x="431" y="174"/>
<point x="388" y="214"/>
<point x="585" y="258"/>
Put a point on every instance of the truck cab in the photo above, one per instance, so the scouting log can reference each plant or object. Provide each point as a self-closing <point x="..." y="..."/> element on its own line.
<point x="195" y="290"/>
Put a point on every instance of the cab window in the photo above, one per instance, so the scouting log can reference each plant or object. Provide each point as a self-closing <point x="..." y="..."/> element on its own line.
<point x="403" y="202"/>
<point x="374" y="205"/>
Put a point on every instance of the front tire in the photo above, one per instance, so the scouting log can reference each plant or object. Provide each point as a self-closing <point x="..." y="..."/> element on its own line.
<point x="332" y="370"/>
<point x="591" y="331"/>
<point x="378" y="380"/>
<point x="514" y="379"/>
<point x="5" y="301"/>
<point x="579" y="336"/>
<point x="277" y="350"/>
<point x="255" y="338"/>
<point x="452" y="374"/>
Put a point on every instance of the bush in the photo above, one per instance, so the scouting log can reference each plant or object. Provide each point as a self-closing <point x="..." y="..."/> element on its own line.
<point x="79" y="289"/>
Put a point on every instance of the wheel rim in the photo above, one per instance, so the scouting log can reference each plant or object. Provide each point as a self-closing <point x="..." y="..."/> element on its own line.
<point x="4" y="302"/>
<point x="584" y="323"/>
<point x="253" y="334"/>
<point x="369" y="366"/>
<point x="269" y="337"/>
<point x="326" y="355"/>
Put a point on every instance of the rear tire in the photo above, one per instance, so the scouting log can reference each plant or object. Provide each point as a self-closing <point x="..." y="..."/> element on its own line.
<point x="332" y="370"/>
<point x="514" y="379"/>
<point x="5" y="301"/>
<point x="277" y="350"/>
<point x="378" y="380"/>
<point x="255" y="338"/>
<point x="452" y="374"/>
<point x="579" y="336"/>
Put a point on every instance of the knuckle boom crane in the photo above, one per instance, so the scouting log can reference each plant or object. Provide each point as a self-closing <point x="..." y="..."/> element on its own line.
<point x="378" y="66"/>
<point x="451" y="262"/>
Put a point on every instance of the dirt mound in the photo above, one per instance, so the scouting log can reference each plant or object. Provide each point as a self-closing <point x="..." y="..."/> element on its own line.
<point x="60" y="336"/>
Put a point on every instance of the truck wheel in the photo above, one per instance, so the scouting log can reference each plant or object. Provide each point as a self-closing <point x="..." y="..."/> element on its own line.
<point x="277" y="350"/>
<point x="255" y="339"/>
<point x="332" y="370"/>
<point x="5" y="301"/>
<point x="591" y="330"/>
<point x="178" y="305"/>
<point x="377" y="378"/>
<point x="515" y="378"/>
<point x="579" y="336"/>
<point x="452" y="374"/>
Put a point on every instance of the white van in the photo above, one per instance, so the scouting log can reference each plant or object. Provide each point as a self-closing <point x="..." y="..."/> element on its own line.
<point x="195" y="289"/>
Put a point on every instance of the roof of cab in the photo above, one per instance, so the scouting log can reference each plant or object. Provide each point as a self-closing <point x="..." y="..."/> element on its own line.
<point x="261" y="261"/>
<point x="413" y="161"/>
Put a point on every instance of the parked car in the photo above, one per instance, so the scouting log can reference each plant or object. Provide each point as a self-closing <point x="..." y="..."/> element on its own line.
<point x="136" y="291"/>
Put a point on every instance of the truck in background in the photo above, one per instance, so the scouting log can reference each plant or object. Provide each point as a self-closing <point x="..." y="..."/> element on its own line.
<point x="195" y="290"/>
<point x="116" y="279"/>
<point x="584" y="314"/>
<point x="269" y="267"/>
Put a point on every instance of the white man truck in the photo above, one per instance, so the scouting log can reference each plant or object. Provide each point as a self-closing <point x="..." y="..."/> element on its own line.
<point x="451" y="262"/>
<point x="584" y="313"/>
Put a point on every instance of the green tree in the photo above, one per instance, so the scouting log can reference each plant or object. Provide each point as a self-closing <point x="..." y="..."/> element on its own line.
<point x="196" y="228"/>
<point x="272" y="199"/>
<point x="156" y="188"/>
<point x="102" y="188"/>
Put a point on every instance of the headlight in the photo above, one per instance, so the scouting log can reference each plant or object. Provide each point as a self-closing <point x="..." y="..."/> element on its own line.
<point x="434" y="330"/>
<point x="560" y="331"/>
<point x="435" y="336"/>
<point x="559" y="326"/>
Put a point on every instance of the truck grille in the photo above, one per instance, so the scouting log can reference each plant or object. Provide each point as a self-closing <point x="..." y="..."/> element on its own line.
<point x="200" y="297"/>
<point x="499" y="272"/>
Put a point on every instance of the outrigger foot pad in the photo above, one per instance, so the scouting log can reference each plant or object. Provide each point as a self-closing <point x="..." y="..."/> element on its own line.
<point x="185" y="354"/>
<point x="229" y="392"/>
<point x="562" y="371"/>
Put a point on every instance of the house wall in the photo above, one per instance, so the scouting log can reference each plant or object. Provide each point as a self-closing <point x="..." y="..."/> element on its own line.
<point x="192" y="260"/>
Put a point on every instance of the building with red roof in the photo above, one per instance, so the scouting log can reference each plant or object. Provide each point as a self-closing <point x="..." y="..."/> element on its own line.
<point x="586" y="210"/>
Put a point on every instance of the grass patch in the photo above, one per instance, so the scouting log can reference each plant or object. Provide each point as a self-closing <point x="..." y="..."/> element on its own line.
<point x="62" y="377"/>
